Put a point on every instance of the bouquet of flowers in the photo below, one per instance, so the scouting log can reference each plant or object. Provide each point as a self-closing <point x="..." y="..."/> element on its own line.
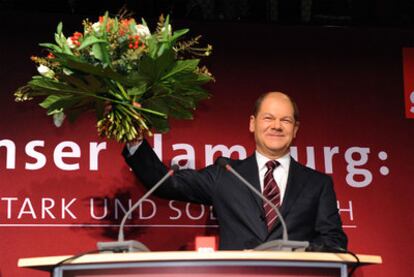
<point x="131" y="78"/>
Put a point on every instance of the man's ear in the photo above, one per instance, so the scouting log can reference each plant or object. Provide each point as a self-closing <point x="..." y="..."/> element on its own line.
<point x="296" y="128"/>
<point x="252" y="123"/>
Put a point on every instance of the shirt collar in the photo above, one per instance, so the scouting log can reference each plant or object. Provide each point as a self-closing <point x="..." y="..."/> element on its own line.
<point x="262" y="160"/>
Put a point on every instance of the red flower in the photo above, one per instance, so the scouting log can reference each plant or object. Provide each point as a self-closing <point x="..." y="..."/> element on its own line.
<point x="77" y="35"/>
<point x="75" y="38"/>
<point x="134" y="42"/>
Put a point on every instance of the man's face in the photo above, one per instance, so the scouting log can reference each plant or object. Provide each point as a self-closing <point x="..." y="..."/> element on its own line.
<point x="274" y="126"/>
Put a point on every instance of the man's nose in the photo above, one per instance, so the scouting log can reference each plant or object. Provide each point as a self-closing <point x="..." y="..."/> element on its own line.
<point x="276" y="124"/>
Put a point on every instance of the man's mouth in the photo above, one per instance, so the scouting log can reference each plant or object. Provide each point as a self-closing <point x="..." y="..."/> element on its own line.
<point x="278" y="135"/>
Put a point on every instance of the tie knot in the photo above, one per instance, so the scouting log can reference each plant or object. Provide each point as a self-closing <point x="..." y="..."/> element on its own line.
<point x="272" y="164"/>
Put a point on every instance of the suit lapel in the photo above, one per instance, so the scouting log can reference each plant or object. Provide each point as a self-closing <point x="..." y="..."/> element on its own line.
<point x="250" y="172"/>
<point x="296" y="180"/>
<point x="248" y="169"/>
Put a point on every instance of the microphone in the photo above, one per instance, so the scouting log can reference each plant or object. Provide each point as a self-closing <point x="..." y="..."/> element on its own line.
<point x="131" y="245"/>
<point x="284" y="244"/>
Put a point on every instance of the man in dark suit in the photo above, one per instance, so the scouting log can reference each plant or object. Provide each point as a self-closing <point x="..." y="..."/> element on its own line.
<point x="306" y="197"/>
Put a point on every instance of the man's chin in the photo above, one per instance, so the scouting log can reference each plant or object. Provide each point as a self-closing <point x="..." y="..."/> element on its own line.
<point x="277" y="147"/>
<point x="278" y="151"/>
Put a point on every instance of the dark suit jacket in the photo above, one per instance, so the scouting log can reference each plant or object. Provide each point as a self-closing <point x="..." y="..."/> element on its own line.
<point x="309" y="205"/>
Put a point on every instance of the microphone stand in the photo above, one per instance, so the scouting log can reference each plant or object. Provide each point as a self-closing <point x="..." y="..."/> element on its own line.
<point x="132" y="245"/>
<point x="283" y="244"/>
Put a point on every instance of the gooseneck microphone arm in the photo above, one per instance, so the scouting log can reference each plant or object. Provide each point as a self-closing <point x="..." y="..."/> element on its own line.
<point x="170" y="173"/>
<point x="285" y="243"/>
<point x="133" y="246"/>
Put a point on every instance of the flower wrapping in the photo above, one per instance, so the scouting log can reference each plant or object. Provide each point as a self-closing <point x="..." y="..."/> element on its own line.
<point x="131" y="78"/>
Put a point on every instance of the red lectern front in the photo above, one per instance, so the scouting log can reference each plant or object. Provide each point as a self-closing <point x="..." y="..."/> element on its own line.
<point x="198" y="264"/>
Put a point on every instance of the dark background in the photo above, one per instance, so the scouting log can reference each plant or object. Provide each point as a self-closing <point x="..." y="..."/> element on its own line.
<point x="385" y="13"/>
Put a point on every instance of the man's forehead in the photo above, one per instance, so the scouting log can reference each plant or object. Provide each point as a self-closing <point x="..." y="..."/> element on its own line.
<point x="277" y="96"/>
<point x="276" y="114"/>
<point x="276" y="104"/>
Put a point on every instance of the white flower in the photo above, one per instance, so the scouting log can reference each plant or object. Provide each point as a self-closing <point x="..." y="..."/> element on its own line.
<point x="142" y="31"/>
<point x="70" y="43"/>
<point x="45" y="71"/>
<point x="96" y="27"/>
<point x="58" y="118"/>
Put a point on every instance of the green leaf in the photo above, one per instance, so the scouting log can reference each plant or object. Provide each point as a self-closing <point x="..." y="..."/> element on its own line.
<point x="75" y="82"/>
<point x="160" y="51"/>
<point x="52" y="46"/>
<point x="91" y="40"/>
<point x="159" y="124"/>
<point x="179" y="112"/>
<point x="152" y="45"/>
<point x="182" y="66"/>
<point x="136" y="79"/>
<point x="179" y="33"/>
<point x="203" y="78"/>
<point x="144" y="22"/>
<point x="61" y="41"/>
<point x="75" y="63"/>
<point x="115" y="27"/>
<point x="59" y="28"/>
<point x="197" y="93"/>
<point x="49" y="101"/>
<point x="66" y="102"/>
<point x="86" y="83"/>
<point x="154" y="69"/>
<point x="156" y="103"/>
<point x="94" y="84"/>
<point x="104" y="24"/>
<point x="137" y="90"/>
<point x="166" y="34"/>
<point x="185" y="101"/>
<point x="50" y="85"/>
<point x="100" y="52"/>
<point x="154" y="112"/>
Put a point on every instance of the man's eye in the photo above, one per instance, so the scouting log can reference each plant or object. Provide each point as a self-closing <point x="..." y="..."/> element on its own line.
<point x="287" y="120"/>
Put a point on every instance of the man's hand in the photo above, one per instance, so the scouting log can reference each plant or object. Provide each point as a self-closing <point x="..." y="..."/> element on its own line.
<point x="137" y="140"/>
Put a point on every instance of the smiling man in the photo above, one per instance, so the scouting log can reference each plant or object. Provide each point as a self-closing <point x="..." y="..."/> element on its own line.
<point x="306" y="198"/>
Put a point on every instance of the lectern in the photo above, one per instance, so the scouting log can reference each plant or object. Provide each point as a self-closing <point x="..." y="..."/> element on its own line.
<point x="199" y="264"/>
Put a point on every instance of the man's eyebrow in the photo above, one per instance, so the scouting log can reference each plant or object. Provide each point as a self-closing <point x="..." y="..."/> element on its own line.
<point x="267" y="114"/>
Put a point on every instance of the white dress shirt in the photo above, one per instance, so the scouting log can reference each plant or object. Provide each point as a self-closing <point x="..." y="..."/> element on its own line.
<point x="280" y="173"/>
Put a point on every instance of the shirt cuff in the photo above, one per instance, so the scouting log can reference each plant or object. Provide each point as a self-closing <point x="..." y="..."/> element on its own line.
<point x="133" y="148"/>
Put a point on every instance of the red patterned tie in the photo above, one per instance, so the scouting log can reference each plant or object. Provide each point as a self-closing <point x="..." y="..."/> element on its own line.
<point x="271" y="191"/>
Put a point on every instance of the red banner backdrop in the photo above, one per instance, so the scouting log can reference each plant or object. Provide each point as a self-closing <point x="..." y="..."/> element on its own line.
<point x="64" y="189"/>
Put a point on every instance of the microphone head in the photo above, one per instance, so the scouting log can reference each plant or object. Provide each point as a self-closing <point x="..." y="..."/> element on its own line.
<point x="175" y="168"/>
<point x="222" y="162"/>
